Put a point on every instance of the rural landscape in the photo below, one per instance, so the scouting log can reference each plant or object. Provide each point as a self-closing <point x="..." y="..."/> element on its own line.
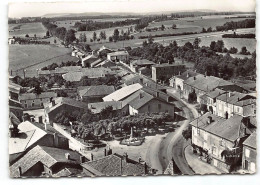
<point x="132" y="94"/>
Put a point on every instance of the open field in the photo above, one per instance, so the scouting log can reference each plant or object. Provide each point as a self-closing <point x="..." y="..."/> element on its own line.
<point x="27" y="28"/>
<point x="193" y="24"/>
<point x="27" y="56"/>
<point x="205" y="37"/>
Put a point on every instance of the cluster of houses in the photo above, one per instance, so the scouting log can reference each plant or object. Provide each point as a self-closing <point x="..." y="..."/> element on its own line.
<point x="226" y="133"/>
<point x="39" y="147"/>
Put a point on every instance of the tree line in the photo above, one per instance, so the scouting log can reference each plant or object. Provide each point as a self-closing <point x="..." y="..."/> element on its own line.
<point x="67" y="36"/>
<point x="248" y="23"/>
<point x="205" y="59"/>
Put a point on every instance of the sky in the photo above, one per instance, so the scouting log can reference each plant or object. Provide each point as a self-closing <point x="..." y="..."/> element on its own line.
<point x="19" y="9"/>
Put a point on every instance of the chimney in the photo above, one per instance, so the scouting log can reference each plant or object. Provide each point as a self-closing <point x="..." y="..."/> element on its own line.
<point x="194" y="78"/>
<point x="82" y="159"/>
<point x="209" y="120"/>
<point x="67" y="155"/>
<point x="179" y="72"/>
<point x="20" y="171"/>
<point x="239" y="99"/>
<point x="141" y="81"/>
<point x="105" y="152"/>
<point x="188" y="75"/>
<point x="40" y="119"/>
<point x="244" y="131"/>
<point x="140" y="159"/>
<point x="32" y="119"/>
<point x="157" y="94"/>
<point x="45" y="126"/>
<point x="229" y="94"/>
<point x="91" y="157"/>
<point x="125" y="157"/>
<point x="109" y="152"/>
<point x="140" y="95"/>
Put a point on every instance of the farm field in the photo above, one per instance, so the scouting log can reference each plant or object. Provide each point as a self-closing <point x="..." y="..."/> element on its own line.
<point x="27" y="28"/>
<point x="109" y="32"/>
<point x="34" y="57"/>
<point x="205" y="37"/>
<point x="194" y="24"/>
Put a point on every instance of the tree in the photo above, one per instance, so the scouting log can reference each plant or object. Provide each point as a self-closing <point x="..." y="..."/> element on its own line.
<point x="70" y="36"/>
<point x="187" y="134"/>
<point x="110" y="39"/>
<point x="122" y="32"/>
<point x="233" y="50"/>
<point x="150" y="39"/>
<point x="162" y="27"/>
<point x="94" y="36"/>
<point x="47" y="33"/>
<point x="116" y="35"/>
<point x="204" y="30"/>
<point x="104" y="35"/>
<point x="192" y="97"/>
<point x="244" y="51"/>
<point x="196" y="42"/>
<point x="209" y="29"/>
<point x="55" y="41"/>
<point x="27" y="35"/>
<point x="174" y="26"/>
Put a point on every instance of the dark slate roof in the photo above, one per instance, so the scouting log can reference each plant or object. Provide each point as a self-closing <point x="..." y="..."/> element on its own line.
<point x="229" y="129"/>
<point x="166" y="65"/>
<point x="215" y="93"/>
<point x="67" y="101"/>
<point x="251" y="141"/>
<point x="142" y="62"/>
<point x="32" y="96"/>
<point x="99" y="90"/>
<point x="236" y="98"/>
<point x="187" y="74"/>
<point x="116" y="165"/>
<point x="206" y="83"/>
<point x="48" y="156"/>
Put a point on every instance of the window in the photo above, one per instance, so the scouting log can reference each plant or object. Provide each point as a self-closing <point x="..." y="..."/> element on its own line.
<point x="159" y="106"/>
<point x="198" y="131"/>
<point x="40" y="99"/>
<point x="252" y="167"/>
<point x="25" y="105"/>
<point x="247" y="152"/>
<point x="41" y="104"/>
<point x="214" y="150"/>
<point x="32" y="104"/>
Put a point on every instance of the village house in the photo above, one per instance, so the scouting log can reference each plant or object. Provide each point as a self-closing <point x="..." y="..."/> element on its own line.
<point x="202" y="84"/>
<point x="32" y="101"/>
<point x="30" y="134"/>
<point x="90" y="61"/>
<point x="219" y="139"/>
<point x="235" y="103"/>
<point x="104" y="50"/>
<point x="118" y="56"/>
<point x="249" y="154"/>
<point x="209" y="99"/>
<point x="15" y="106"/>
<point x="91" y="94"/>
<point x="177" y="81"/>
<point x="105" y="64"/>
<point x="147" y="103"/>
<point x="115" y="165"/>
<point x="44" y="161"/>
<point x="137" y="64"/>
<point x="163" y="72"/>
<point x="133" y="79"/>
<point x="60" y="104"/>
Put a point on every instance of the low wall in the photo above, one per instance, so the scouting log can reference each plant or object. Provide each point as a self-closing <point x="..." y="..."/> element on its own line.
<point x="74" y="144"/>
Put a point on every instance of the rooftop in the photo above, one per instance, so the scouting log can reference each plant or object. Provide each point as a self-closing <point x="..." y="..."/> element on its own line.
<point x="118" y="53"/>
<point x="187" y="74"/>
<point x="123" y="92"/>
<point x="116" y="165"/>
<point x="32" y="96"/>
<point x="236" y="98"/>
<point x="167" y="65"/>
<point x="99" y="90"/>
<point x="229" y="129"/>
<point x="48" y="156"/>
<point x="206" y="83"/>
<point x="67" y="101"/>
<point x="142" y="62"/>
<point x="251" y="141"/>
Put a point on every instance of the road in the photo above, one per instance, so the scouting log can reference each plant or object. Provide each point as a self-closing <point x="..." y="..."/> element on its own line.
<point x="172" y="145"/>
